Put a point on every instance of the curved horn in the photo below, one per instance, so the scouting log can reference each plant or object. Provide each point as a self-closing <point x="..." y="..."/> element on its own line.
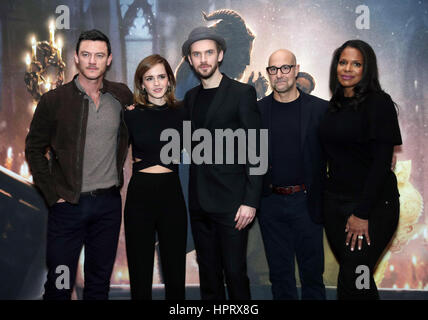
<point x="229" y="16"/>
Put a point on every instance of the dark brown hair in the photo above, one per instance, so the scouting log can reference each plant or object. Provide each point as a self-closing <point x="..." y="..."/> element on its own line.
<point x="140" y="95"/>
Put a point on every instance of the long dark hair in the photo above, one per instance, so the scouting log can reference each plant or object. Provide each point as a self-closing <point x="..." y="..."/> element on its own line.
<point x="370" y="79"/>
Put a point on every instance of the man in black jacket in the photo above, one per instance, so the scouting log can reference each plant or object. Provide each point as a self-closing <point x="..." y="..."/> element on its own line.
<point x="290" y="213"/>
<point x="223" y="198"/>
<point x="82" y="125"/>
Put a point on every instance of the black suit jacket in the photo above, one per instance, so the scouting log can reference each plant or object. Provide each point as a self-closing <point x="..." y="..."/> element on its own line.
<point x="314" y="162"/>
<point x="222" y="188"/>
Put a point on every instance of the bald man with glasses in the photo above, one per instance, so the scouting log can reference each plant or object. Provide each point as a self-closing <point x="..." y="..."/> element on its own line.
<point x="290" y="215"/>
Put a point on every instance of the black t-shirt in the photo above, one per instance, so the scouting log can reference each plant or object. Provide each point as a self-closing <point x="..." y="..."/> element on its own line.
<point x="145" y="125"/>
<point x="202" y="103"/>
<point x="359" y="147"/>
<point x="287" y="158"/>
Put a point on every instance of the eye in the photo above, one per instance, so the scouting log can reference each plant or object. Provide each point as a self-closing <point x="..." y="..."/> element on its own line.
<point x="357" y="64"/>
<point x="342" y="62"/>
<point x="162" y="76"/>
<point x="149" y="78"/>
<point x="84" y="54"/>
<point x="210" y="51"/>
<point x="100" y="56"/>
<point x="195" y="54"/>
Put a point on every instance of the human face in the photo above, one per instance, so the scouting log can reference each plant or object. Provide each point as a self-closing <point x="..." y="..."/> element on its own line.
<point x="93" y="59"/>
<point x="155" y="82"/>
<point x="205" y="58"/>
<point x="350" y="69"/>
<point x="280" y="82"/>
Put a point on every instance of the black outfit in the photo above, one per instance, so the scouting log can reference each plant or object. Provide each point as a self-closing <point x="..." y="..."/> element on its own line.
<point x="154" y="203"/>
<point x="291" y="223"/>
<point x="359" y="146"/>
<point x="86" y="219"/>
<point x="216" y="191"/>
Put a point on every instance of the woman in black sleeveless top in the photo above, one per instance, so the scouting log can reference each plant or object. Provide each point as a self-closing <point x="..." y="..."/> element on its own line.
<point x="358" y="133"/>
<point x="155" y="202"/>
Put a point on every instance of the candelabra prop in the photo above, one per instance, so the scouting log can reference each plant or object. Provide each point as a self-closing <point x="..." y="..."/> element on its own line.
<point x="45" y="67"/>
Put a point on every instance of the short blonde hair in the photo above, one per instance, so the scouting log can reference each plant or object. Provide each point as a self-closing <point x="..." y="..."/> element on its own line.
<point x="140" y="95"/>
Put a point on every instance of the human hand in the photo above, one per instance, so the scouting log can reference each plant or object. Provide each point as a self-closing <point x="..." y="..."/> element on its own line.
<point x="357" y="229"/>
<point x="244" y="216"/>
<point x="130" y="107"/>
<point x="60" y="200"/>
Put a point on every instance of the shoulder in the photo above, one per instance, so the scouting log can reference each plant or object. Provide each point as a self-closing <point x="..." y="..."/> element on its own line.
<point x="262" y="103"/>
<point x="240" y="86"/>
<point x="380" y="103"/>
<point x="117" y="86"/>
<point x="379" y="97"/>
<point x="314" y="100"/>
<point x="317" y="105"/>
<point x="59" y="95"/>
<point x="192" y="91"/>
<point x="119" y="89"/>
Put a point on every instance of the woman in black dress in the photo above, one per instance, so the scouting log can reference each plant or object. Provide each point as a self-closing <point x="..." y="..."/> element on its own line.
<point x="154" y="201"/>
<point x="358" y="133"/>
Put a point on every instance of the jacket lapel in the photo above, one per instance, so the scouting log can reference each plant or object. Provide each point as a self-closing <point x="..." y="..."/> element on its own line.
<point x="305" y="116"/>
<point x="217" y="102"/>
<point x="267" y="123"/>
<point x="192" y="100"/>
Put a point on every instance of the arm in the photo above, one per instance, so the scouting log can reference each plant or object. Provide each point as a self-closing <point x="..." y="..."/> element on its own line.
<point x="250" y="119"/>
<point x="383" y="134"/>
<point x="36" y="143"/>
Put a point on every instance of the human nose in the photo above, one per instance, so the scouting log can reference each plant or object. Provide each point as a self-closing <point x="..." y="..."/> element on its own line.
<point x="92" y="59"/>
<point x="348" y="67"/>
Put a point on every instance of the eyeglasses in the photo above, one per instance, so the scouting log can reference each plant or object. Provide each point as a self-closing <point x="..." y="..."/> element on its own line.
<point x="286" y="68"/>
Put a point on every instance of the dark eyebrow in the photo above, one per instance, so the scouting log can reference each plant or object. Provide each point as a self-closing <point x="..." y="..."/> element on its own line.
<point x="90" y="52"/>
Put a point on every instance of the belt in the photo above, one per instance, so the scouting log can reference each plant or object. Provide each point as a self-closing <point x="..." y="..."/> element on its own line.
<point x="289" y="189"/>
<point x="98" y="192"/>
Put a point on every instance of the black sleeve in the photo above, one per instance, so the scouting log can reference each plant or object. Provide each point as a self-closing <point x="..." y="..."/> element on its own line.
<point x="383" y="133"/>
<point x="250" y="119"/>
<point x="128" y="122"/>
<point x="36" y="144"/>
<point x="379" y="170"/>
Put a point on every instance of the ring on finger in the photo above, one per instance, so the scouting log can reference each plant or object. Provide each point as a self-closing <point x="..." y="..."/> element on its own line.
<point x="361" y="237"/>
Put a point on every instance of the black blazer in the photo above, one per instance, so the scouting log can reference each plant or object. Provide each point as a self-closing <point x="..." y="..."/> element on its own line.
<point x="222" y="188"/>
<point x="314" y="162"/>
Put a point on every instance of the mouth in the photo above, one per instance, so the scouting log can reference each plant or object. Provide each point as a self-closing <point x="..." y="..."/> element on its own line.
<point x="204" y="66"/>
<point x="280" y="81"/>
<point x="158" y="90"/>
<point x="345" y="77"/>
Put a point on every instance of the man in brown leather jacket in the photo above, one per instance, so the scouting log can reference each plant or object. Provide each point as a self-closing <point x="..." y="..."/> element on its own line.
<point x="82" y="124"/>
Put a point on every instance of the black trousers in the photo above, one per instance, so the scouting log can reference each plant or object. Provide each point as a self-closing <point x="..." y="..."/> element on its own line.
<point x="383" y="222"/>
<point x="94" y="223"/>
<point x="221" y="252"/>
<point x="288" y="234"/>
<point x="155" y="204"/>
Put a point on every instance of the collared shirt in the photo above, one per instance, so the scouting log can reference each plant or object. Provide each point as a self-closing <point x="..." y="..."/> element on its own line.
<point x="99" y="157"/>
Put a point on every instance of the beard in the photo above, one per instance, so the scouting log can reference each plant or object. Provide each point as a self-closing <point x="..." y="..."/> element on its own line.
<point x="285" y="87"/>
<point x="206" y="75"/>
